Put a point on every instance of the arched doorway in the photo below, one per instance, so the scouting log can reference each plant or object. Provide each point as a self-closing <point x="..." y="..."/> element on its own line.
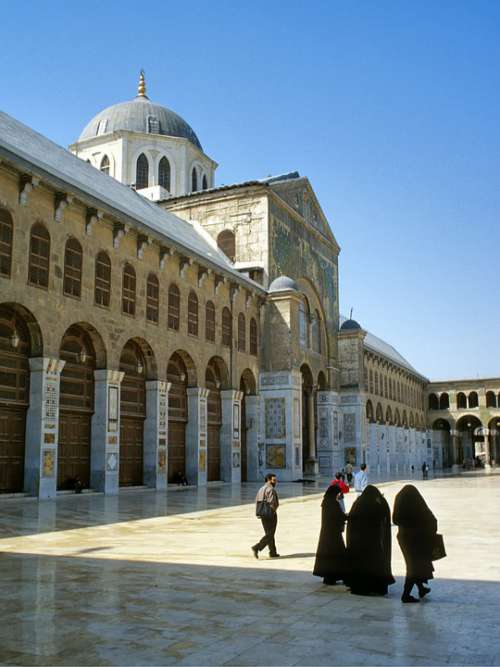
<point x="442" y="437"/>
<point x="215" y="379"/>
<point x="470" y="440"/>
<point x="76" y="406"/>
<point x="15" y="350"/>
<point x="177" y="375"/>
<point x="494" y="440"/>
<point x="132" y="415"/>
<point x="248" y="387"/>
<point x="308" y="415"/>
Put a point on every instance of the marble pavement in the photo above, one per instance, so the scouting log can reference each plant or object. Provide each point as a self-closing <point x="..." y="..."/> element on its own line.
<point x="168" y="579"/>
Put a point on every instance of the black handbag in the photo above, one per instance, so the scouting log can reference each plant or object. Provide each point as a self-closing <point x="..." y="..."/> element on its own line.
<point x="263" y="510"/>
<point x="438" y="550"/>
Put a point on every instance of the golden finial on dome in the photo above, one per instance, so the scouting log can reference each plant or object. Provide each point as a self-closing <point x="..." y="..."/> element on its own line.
<point x="141" y="88"/>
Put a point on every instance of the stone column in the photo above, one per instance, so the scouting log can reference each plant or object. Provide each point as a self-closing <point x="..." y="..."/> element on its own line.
<point x="487" y="459"/>
<point x="230" y="435"/>
<point x="455" y="464"/>
<point x="196" y="436"/>
<point x="252" y="426"/>
<point x="156" y="434"/>
<point x="311" y="467"/>
<point x="42" y="427"/>
<point x="105" y="445"/>
<point x="330" y="455"/>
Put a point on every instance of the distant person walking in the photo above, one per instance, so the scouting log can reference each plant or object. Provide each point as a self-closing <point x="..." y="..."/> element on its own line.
<point x="417" y="531"/>
<point x="369" y="544"/>
<point x="361" y="479"/>
<point x="331" y="561"/>
<point x="267" y="503"/>
<point x="338" y="481"/>
<point x="348" y="472"/>
<point x="425" y="470"/>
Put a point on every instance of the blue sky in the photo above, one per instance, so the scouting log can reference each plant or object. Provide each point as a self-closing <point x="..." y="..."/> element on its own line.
<point x="390" y="108"/>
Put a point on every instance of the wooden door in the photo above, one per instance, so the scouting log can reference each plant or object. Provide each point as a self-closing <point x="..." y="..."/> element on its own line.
<point x="214" y="410"/>
<point x="12" y="432"/>
<point x="243" y="431"/>
<point x="73" y="456"/>
<point x="177" y="417"/>
<point x="131" y="450"/>
<point x="132" y="415"/>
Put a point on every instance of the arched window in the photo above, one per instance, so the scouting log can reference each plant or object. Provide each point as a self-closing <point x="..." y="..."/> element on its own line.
<point x="391" y="389"/>
<point x="142" y="172"/>
<point x="102" y="287"/>
<point x="194" y="180"/>
<point x="254" y="337"/>
<point x="128" y="290"/>
<point x="376" y="382"/>
<point x="388" y="415"/>
<point x="73" y="257"/>
<point x="461" y="400"/>
<point x="174" y="307"/>
<point x="192" y="314"/>
<point x="369" y="411"/>
<point x="473" y="400"/>
<point x="379" y="414"/>
<point x="226" y="241"/>
<point x="227" y="327"/>
<point x="38" y="268"/>
<point x="316" y="332"/>
<point x="164" y="173"/>
<point x="304" y="324"/>
<point x="491" y="400"/>
<point x="399" y="392"/>
<point x="242" y="334"/>
<point x="210" y="321"/>
<point x="153" y="299"/>
<point x="6" y="236"/>
<point x="204" y="182"/>
<point x="105" y="165"/>
<point x="444" y="402"/>
<point x="371" y="381"/>
<point x="433" y="402"/>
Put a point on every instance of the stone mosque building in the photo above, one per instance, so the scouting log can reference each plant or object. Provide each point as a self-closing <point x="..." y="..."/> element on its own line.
<point x="154" y="325"/>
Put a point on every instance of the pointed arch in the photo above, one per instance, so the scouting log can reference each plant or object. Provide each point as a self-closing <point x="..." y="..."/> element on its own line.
<point x="142" y="172"/>
<point x="164" y="173"/>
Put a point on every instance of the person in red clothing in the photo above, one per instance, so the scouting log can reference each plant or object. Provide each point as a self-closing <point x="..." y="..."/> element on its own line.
<point x="339" y="481"/>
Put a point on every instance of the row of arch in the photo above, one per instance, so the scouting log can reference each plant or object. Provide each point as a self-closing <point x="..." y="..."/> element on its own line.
<point x="310" y="328"/>
<point x="381" y="384"/>
<point x="39" y="270"/>
<point x="463" y="401"/>
<point x="396" y="418"/>
<point x="467" y="440"/>
<point x="83" y="351"/>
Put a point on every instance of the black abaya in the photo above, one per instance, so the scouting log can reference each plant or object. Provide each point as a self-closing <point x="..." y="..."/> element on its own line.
<point x="331" y="552"/>
<point x="369" y="544"/>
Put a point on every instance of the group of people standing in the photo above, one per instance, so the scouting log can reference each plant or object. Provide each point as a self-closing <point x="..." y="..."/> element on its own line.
<point x="363" y="561"/>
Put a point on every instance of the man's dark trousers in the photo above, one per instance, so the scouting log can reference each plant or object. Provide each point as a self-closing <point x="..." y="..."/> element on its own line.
<point x="269" y="526"/>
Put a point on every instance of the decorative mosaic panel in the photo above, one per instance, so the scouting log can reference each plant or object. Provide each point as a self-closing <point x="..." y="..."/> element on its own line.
<point x="48" y="463"/>
<point x="276" y="456"/>
<point x="296" y="418"/>
<point x="202" y="460"/>
<point x="236" y="459"/>
<point x="50" y="400"/>
<point x="162" y="459"/>
<point x="349" y="427"/>
<point x="203" y="416"/>
<point x="112" y="462"/>
<point x="275" y="418"/>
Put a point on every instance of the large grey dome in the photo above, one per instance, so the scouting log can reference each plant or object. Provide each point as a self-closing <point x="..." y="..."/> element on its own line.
<point x="282" y="283"/>
<point x="140" y="115"/>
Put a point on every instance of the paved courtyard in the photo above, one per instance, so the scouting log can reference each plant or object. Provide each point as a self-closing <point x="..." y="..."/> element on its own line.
<point x="149" y="579"/>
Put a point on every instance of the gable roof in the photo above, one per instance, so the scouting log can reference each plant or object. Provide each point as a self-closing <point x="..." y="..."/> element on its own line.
<point x="37" y="154"/>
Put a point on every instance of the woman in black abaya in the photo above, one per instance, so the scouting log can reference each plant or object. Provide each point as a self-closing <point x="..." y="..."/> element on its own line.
<point x="331" y="553"/>
<point x="369" y="544"/>
<point x="417" y="529"/>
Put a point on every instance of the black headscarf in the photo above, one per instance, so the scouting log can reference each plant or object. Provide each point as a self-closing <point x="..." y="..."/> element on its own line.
<point x="330" y="560"/>
<point x="411" y="508"/>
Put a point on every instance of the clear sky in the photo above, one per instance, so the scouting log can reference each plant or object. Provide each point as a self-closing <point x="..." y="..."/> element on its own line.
<point x="390" y="108"/>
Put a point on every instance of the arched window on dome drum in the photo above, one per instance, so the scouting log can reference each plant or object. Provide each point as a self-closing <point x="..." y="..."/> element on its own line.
<point x="227" y="327"/>
<point x="192" y="314"/>
<point x="254" y="337"/>
<point x="226" y="241"/>
<point x="194" y="180"/>
<point x="102" y="287"/>
<point x="6" y="236"/>
<point x="142" y="172"/>
<point x="204" y="184"/>
<point x="210" y="321"/>
<point x="242" y="334"/>
<point x="174" y="307"/>
<point x="316" y="332"/>
<point x="73" y="257"/>
<point x="105" y="165"/>
<point x="38" y="269"/>
<point x="164" y="173"/>
<point x="128" y="290"/>
<point x="152" y="299"/>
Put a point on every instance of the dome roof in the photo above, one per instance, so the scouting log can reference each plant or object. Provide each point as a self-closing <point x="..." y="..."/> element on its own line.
<point x="282" y="283"/>
<point x="140" y="115"/>
<point x="350" y="325"/>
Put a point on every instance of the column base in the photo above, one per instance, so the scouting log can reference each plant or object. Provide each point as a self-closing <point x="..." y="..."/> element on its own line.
<point x="311" y="468"/>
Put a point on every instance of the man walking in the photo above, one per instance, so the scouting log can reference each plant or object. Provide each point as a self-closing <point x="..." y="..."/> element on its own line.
<point x="267" y="494"/>
<point x="361" y="479"/>
<point x="348" y="472"/>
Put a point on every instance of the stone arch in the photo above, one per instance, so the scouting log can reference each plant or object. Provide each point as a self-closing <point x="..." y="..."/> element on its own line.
<point x="314" y="302"/>
<point x="473" y="399"/>
<point x="248" y="387"/>
<point x="388" y="415"/>
<point x="379" y="414"/>
<point x="397" y="417"/>
<point x="470" y="439"/>
<point x="248" y="383"/>
<point x="322" y="384"/>
<point x="98" y="346"/>
<point x="149" y="357"/>
<point x="369" y="412"/>
<point x="192" y="375"/>
<point x="30" y="322"/>
<point x="220" y="370"/>
<point x="494" y="440"/>
<point x="444" y="401"/>
<point x="461" y="400"/>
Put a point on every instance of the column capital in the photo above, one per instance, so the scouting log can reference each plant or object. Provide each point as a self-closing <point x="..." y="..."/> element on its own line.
<point x="201" y="392"/>
<point x="158" y="385"/>
<point x="49" y="365"/>
<point x="232" y="394"/>
<point x="108" y="375"/>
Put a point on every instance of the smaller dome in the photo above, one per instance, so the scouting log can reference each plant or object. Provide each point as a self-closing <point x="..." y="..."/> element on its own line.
<point x="282" y="284"/>
<point x="350" y="325"/>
